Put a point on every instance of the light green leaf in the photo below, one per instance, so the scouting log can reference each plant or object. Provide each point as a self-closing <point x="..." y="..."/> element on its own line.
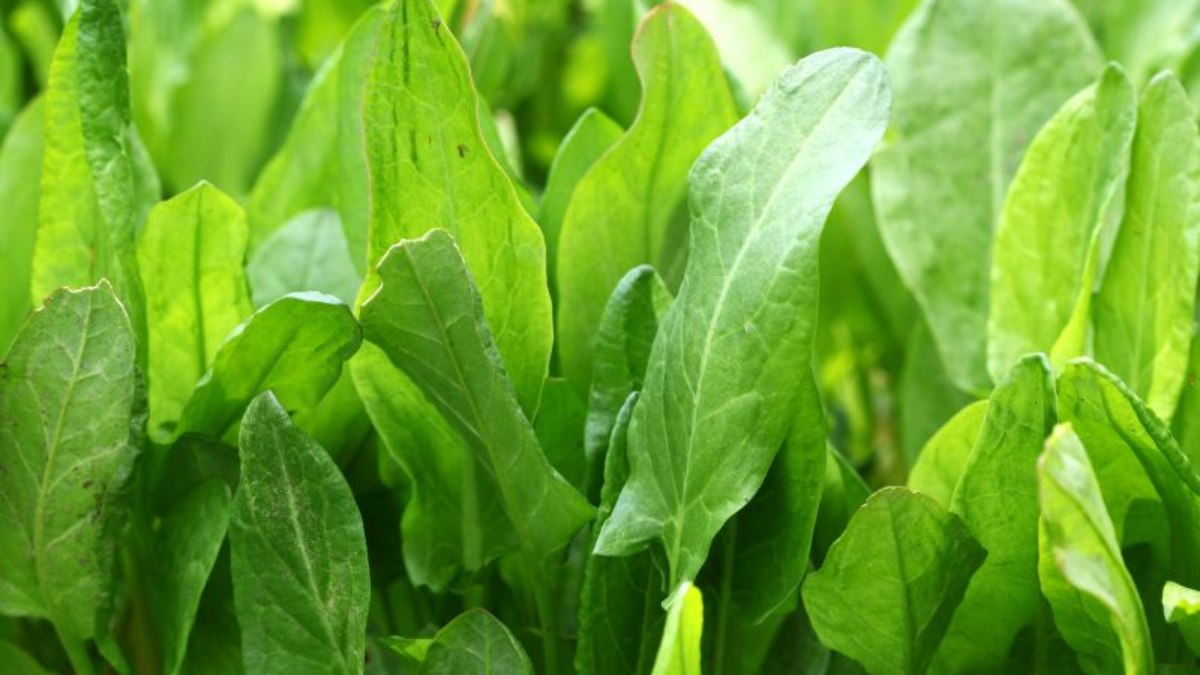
<point x="190" y="256"/>
<point x="928" y="399"/>
<point x="679" y="651"/>
<point x="427" y="318"/>
<point x="629" y="208"/>
<point x="475" y="643"/>
<point x="887" y="590"/>
<point x="96" y="187"/>
<point x="300" y="578"/>
<point x="66" y="421"/>
<point x="593" y="134"/>
<point x="720" y="388"/>
<point x="1095" y="604"/>
<point x="421" y="128"/>
<point x="294" y="346"/>
<point x="1144" y="310"/>
<point x="979" y="76"/>
<point x="749" y="48"/>
<point x="1067" y="194"/>
<point x="1181" y="605"/>
<point x="12" y="81"/>
<point x="997" y="499"/>
<point x="944" y="458"/>
<point x="308" y="253"/>
<point x="20" y="169"/>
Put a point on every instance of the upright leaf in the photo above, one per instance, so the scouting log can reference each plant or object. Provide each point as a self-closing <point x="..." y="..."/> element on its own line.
<point x="308" y="253"/>
<point x="1067" y="194"/>
<point x="190" y="256"/>
<point x="720" y="387"/>
<point x="967" y="75"/>
<point x="1145" y="306"/>
<point x="20" y="169"/>
<point x="629" y="207"/>
<point x="679" y="651"/>
<point x="300" y="577"/>
<point x="294" y="346"/>
<point x="96" y="184"/>
<point x="421" y="128"/>
<point x="1096" y="605"/>
<point x="66" y="419"/>
<point x="944" y="458"/>
<point x="427" y="318"/>
<point x="887" y="590"/>
<point x="475" y="643"/>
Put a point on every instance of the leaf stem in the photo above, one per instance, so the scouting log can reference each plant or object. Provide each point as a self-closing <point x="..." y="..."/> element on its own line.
<point x="77" y="654"/>
<point x="724" y="598"/>
<point x="546" y="614"/>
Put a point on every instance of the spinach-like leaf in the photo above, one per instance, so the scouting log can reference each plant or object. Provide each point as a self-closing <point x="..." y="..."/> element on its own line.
<point x="97" y="183"/>
<point x="67" y="400"/>
<point x="307" y="253"/>
<point x="294" y="346"/>
<point x="190" y="256"/>
<point x="1068" y="192"/>
<point x="679" y="651"/>
<point x="475" y="643"/>
<point x="421" y="128"/>
<point x="1181" y="605"/>
<point x="427" y="318"/>
<point x="1095" y="603"/>
<point x="1144" y="310"/>
<point x="300" y="578"/>
<point x="629" y="207"/>
<point x="890" y="584"/>
<point x="842" y="492"/>
<point x="720" y="387"/>
<point x="18" y="661"/>
<point x="938" y="205"/>
<point x="20" y="169"/>
<point x="944" y="458"/>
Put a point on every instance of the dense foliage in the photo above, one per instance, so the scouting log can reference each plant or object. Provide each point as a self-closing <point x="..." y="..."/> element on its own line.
<point x="514" y="336"/>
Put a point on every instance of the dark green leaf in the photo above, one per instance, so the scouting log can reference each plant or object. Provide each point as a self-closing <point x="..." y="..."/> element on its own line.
<point x="475" y="643"/>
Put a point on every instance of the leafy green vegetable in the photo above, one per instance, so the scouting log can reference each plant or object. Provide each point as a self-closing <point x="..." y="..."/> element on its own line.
<point x="308" y="253"/>
<point x="944" y="458"/>
<point x="679" y="652"/>
<point x="938" y="204"/>
<point x="20" y="167"/>
<point x="300" y="575"/>
<point x="475" y="644"/>
<point x="891" y="615"/>
<point x="720" y="380"/>
<point x="1182" y="608"/>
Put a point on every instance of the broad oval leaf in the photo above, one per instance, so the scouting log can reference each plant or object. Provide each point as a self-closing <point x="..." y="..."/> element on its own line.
<point x="721" y="383"/>
<point x="475" y="643"/>
<point x="629" y="207"/>
<point x="983" y="76"/>
<point x="300" y="578"/>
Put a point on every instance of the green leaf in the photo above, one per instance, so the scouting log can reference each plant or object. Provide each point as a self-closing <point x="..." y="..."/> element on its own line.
<point x="475" y="643"/>
<point x="887" y="590"/>
<point x="20" y="169"/>
<point x="300" y="578"/>
<point x="421" y="128"/>
<point x="12" y="81"/>
<point x="1095" y="604"/>
<point x="96" y="186"/>
<point x="1143" y="314"/>
<point x="944" y="458"/>
<point x="842" y="493"/>
<point x="720" y="388"/>
<point x="750" y="50"/>
<point x="308" y="253"/>
<point x="18" y="662"/>
<point x="294" y="346"/>
<point x="997" y="499"/>
<point x="559" y="428"/>
<point x="190" y="256"/>
<point x="928" y="399"/>
<point x="1181" y="605"/>
<point x="593" y="134"/>
<point x="1067" y="194"/>
<point x="679" y="651"/>
<point x="621" y="350"/>
<point x="66" y="422"/>
<point x="938" y="205"/>
<point x="427" y="318"/>
<point x="629" y="208"/>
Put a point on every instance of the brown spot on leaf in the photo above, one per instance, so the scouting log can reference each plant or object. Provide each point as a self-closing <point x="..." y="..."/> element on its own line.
<point x="462" y="150"/>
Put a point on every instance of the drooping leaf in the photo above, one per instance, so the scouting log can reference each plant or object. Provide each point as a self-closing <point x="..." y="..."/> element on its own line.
<point x="1067" y="193"/>
<point x="997" y="499"/>
<point x="67" y="398"/>
<point x="427" y="318"/>
<point x="720" y="387"/>
<point x="679" y="651"/>
<point x="1095" y="602"/>
<point x="421" y="128"/>
<point x="938" y="205"/>
<point x="20" y="169"/>
<point x="944" y="458"/>
<point x="294" y="346"/>
<point x="1181" y="605"/>
<point x="300" y="578"/>
<point x="890" y="584"/>
<point x="593" y="134"/>
<point x="190" y="256"/>
<point x="96" y="183"/>
<point x="475" y="643"/>
<point x="1144" y="309"/>
<point x="628" y="209"/>
<point x="308" y="253"/>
